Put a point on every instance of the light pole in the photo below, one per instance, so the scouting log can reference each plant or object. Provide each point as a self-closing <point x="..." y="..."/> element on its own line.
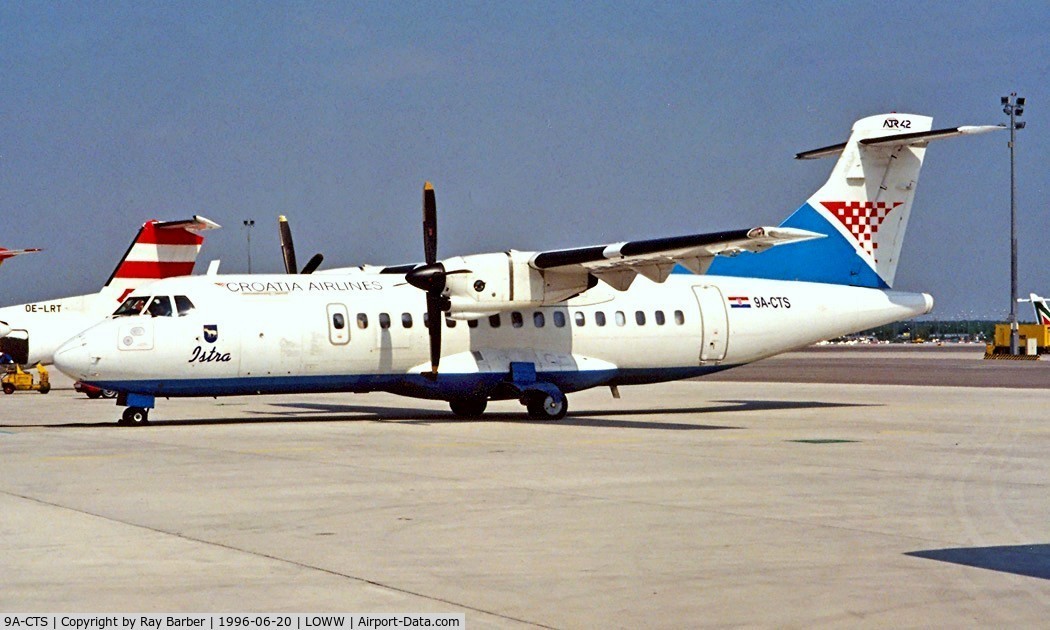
<point x="248" y="225"/>
<point x="1013" y="106"/>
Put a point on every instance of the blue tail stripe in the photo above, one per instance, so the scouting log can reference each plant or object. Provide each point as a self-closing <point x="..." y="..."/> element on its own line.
<point x="831" y="260"/>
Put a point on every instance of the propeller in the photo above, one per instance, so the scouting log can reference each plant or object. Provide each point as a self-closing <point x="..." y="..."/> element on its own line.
<point x="288" y="250"/>
<point x="430" y="277"/>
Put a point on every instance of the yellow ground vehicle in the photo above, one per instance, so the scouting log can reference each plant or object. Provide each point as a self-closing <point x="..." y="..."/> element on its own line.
<point x="18" y="379"/>
<point x="1037" y="332"/>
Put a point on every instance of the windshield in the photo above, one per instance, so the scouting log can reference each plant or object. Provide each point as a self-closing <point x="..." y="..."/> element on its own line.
<point x="131" y="306"/>
<point x="160" y="306"/>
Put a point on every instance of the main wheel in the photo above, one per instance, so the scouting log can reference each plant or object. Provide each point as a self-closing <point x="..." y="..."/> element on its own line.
<point x="108" y="393"/>
<point x="468" y="407"/>
<point x="547" y="406"/>
<point x="135" y="415"/>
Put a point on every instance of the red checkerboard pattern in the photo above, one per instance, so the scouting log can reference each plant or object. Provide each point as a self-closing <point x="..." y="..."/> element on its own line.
<point x="862" y="219"/>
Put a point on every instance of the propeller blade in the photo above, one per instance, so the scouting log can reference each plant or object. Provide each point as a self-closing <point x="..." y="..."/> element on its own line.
<point x="287" y="248"/>
<point x="436" y="319"/>
<point x="429" y="224"/>
<point x="313" y="264"/>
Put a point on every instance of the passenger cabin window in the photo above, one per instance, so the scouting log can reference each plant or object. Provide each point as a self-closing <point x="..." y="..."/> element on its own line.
<point x="621" y="320"/>
<point x="679" y="317"/>
<point x="362" y="320"/>
<point x="494" y="320"/>
<point x="660" y="318"/>
<point x="406" y="320"/>
<point x="559" y="319"/>
<point x="579" y="318"/>
<point x="131" y="306"/>
<point x="183" y="305"/>
<point x="160" y="306"/>
<point x="599" y="318"/>
<point x="639" y="318"/>
<point x="516" y="320"/>
<point x="384" y="321"/>
<point x="538" y="320"/>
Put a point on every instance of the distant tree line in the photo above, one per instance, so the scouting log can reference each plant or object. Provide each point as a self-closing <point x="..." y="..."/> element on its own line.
<point x="957" y="330"/>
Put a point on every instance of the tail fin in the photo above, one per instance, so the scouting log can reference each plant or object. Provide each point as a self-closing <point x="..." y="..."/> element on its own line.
<point x="863" y="208"/>
<point x="1042" y="310"/>
<point x="161" y="249"/>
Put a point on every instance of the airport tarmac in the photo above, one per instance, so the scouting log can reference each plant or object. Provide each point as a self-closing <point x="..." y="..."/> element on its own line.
<point x="698" y="503"/>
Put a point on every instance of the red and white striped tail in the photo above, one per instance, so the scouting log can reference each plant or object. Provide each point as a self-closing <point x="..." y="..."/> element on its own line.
<point x="162" y="249"/>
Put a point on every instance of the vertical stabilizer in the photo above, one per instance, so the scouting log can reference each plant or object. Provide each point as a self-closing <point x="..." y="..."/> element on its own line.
<point x="863" y="208"/>
<point x="161" y="249"/>
<point x="1042" y="310"/>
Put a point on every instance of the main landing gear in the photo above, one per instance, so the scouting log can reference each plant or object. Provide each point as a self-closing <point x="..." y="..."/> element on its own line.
<point x="546" y="406"/>
<point x="469" y="407"/>
<point x="542" y="405"/>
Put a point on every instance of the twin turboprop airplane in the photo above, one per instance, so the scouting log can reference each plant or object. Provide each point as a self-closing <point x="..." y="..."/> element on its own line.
<point x="30" y="333"/>
<point x="534" y="326"/>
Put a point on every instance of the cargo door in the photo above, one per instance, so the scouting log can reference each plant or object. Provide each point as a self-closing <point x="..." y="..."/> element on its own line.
<point x="714" y="324"/>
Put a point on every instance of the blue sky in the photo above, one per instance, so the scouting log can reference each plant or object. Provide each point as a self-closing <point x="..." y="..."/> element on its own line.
<point x="541" y="125"/>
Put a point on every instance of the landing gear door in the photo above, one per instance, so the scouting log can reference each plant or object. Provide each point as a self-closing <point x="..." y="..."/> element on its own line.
<point x="714" y="324"/>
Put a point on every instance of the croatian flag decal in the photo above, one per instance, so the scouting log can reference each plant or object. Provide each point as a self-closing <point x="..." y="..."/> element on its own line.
<point x="739" y="301"/>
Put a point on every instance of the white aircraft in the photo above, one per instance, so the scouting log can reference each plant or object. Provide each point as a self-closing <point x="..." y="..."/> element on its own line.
<point x="533" y="326"/>
<point x="30" y="333"/>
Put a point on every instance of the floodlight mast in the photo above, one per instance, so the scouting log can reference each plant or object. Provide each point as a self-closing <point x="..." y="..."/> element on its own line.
<point x="248" y="225"/>
<point x="1013" y="106"/>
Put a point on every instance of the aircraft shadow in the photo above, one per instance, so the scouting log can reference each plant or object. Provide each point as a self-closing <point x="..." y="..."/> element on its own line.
<point x="307" y="412"/>
<point x="1026" y="560"/>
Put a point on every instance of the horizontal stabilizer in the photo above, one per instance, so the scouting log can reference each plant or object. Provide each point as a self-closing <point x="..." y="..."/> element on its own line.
<point x="196" y="224"/>
<point x="899" y="139"/>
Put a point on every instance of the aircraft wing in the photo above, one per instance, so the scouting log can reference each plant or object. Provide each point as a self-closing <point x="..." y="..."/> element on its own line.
<point x="618" y="263"/>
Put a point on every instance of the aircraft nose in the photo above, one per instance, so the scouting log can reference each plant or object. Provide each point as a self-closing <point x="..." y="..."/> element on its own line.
<point x="73" y="358"/>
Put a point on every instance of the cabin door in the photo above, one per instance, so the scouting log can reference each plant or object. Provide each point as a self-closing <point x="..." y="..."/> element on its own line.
<point x="714" y="324"/>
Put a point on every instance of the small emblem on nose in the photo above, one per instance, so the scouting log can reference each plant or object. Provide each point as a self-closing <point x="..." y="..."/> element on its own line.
<point x="211" y="333"/>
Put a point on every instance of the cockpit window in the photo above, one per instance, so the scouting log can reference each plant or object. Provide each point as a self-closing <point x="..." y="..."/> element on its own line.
<point x="131" y="306"/>
<point x="160" y="306"/>
<point x="183" y="305"/>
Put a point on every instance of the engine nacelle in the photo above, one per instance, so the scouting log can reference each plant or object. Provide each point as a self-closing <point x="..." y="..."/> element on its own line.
<point x="483" y="284"/>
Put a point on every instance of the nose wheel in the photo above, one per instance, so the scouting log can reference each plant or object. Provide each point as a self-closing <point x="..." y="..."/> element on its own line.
<point x="135" y="416"/>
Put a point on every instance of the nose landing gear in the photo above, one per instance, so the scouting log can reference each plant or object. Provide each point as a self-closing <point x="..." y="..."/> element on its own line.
<point x="134" y="416"/>
<point x="138" y="406"/>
